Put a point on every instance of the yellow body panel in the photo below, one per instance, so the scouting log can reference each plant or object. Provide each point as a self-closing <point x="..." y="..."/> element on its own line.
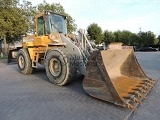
<point x="39" y="45"/>
<point x="31" y="52"/>
<point x="39" y="50"/>
<point x="41" y="41"/>
<point x="27" y="44"/>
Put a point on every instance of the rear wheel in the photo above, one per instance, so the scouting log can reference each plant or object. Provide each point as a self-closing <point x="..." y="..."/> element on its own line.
<point x="58" y="68"/>
<point x="24" y="62"/>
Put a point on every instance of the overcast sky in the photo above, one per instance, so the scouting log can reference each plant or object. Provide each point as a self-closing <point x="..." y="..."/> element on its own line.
<point x="113" y="15"/>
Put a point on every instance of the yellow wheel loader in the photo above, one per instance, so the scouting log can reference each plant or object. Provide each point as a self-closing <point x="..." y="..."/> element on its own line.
<point x="112" y="75"/>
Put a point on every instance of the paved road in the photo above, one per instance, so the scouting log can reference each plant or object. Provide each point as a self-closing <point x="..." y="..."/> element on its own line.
<point x="150" y="108"/>
<point x="33" y="97"/>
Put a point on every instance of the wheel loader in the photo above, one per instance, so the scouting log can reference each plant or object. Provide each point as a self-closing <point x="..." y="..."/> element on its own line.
<point x="112" y="75"/>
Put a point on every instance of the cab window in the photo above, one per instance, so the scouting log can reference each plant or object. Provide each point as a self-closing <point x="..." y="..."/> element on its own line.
<point x="40" y="26"/>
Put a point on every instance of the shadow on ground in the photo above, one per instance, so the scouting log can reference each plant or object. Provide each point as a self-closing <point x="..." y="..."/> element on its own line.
<point x="75" y="85"/>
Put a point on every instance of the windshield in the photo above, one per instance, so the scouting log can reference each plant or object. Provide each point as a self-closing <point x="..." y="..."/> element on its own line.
<point x="57" y="24"/>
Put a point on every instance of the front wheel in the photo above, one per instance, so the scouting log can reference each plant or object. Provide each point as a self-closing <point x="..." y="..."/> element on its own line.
<point x="24" y="62"/>
<point x="58" y="68"/>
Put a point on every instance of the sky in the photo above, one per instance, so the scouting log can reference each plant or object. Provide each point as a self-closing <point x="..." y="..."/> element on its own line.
<point x="113" y="15"/>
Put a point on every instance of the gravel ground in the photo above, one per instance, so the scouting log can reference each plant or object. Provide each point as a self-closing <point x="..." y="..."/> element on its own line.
<point x="33" y="97"/>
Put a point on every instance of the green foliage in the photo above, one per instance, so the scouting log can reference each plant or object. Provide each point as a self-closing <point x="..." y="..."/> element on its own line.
<point x="156" y="41"/>
<point x="158" y="37"/>
<point x="12" y="21"/>
<point x="146" y="38"/>
<point x="140" y="39"/>
<point x="134" y="40"/>
<point x="125" y="36"/>
<point x="71" y="26"/>
<point x="108" y="37"/>
<point x="17" y="19"/>
<point x="29" y="11"/>
<point x="117" y="34"/>
<point x="95" y="33"/>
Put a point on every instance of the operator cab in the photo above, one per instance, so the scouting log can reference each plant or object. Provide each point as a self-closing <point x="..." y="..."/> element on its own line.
<point x="50" y="22"/>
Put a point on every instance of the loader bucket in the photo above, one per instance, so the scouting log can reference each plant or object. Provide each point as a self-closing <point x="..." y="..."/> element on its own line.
<point x="115" y="76"/>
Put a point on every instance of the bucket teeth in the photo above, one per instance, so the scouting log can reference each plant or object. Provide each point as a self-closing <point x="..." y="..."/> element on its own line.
<point x="150" y="81"/>
<point x="142" y="86"/>
<point x="133" y="98"/>
<point x="140" y="89"/>
<point x="149" y="85"/>
<point x="128" y="105"/>
<point x="140" y="95"/>
<point x="145" y="87"/>
<point x="136" y="100"/>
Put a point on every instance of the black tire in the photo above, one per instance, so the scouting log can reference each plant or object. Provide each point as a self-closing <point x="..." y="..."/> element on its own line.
<point x="58" y="68"/>
<point x="24" y="62"/>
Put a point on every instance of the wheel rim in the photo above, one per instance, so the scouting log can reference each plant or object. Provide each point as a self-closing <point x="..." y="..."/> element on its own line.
<point x="21" y="61"/>
<point x="55" y="67"/>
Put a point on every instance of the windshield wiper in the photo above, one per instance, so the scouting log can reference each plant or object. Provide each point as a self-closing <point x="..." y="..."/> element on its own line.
<point x="57" y="29"/>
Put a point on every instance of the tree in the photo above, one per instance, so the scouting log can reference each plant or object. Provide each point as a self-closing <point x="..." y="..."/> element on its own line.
<point x="147" y="38"/>
<point x="17" y="19"/>
<point x="12" y="21"/>
<point x="95" y="33"/>
<point x="108" y="37"/>
<point x="29" y="11"/>
<point x="134" y="40"/>
<point x="117" y="35"/>
<point x="158" y="39"/>
<point x="124" y="36"/>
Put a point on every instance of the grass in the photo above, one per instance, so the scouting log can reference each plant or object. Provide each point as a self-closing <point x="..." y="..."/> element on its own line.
<point x="4" y="57"/>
